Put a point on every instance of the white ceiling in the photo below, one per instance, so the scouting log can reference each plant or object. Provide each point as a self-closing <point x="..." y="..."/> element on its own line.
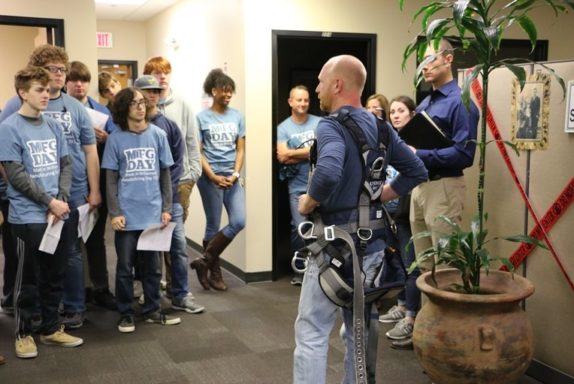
<point x="142" y="12"/>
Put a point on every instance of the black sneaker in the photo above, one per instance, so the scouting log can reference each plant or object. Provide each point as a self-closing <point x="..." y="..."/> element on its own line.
<point x="106" y="299"/>
<point x="126" y="324"/>
<point x="73" y="320"/>
<point x="162" y="318"/>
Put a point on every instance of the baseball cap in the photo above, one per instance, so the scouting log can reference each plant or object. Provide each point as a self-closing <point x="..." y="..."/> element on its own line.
<point x="147" y="82"/>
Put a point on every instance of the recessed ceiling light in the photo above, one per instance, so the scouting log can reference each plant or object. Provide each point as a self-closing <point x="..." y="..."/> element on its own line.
<point x="121" y="2"/>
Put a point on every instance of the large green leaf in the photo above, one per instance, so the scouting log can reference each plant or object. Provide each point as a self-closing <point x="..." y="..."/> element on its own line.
<point x="525" y="239"/>
<point x="530" y="29"/>
<point x="519" y="72"/>
<point x="459" y="10"/>
<point x="435" y="29"/>
<point x="468" y="79"/>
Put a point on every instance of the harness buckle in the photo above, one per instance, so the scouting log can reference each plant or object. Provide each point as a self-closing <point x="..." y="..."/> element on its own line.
<point x="330" y="233"/>
<point x="364" y="234"/>
<point x="297" y="260"/>
<point x="306" y="229"/>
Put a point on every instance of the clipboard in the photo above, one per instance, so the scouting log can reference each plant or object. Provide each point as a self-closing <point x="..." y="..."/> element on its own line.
<point x="422" y="132"/>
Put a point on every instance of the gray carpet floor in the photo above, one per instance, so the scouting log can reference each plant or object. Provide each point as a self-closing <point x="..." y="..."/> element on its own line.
<point x="244" y="336"/>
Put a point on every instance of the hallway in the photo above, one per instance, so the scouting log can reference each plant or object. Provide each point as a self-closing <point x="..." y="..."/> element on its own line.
<point x="245" y="336"/>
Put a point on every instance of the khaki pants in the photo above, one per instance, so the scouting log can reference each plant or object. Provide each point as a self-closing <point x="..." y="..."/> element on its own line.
<point x="429" y="200"/>
<point x="184" y="189"/>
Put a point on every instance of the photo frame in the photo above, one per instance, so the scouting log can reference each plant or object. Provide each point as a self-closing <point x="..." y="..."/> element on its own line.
<point x="530" y="112"/>
<point x="569" y="120"/>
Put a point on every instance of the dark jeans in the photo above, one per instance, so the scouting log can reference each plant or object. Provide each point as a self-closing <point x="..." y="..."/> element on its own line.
<point x="411" y="293"/>
<point x="96" y="252"/>
<point x="10" y="257"/>
<point x="126" y="250"/>
<point x="40" y="278"/>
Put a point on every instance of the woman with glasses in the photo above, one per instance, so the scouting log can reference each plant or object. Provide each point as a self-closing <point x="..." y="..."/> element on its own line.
<point x="222" y="139"/>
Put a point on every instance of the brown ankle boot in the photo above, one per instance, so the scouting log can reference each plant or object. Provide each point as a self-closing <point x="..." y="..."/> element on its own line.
<point x="215" y="247"/>
<point x="216" y="278"/>
<point x="201" y="268"/>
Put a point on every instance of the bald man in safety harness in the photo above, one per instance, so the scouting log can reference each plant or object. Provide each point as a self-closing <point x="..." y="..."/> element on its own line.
<point x="346" y="235"/>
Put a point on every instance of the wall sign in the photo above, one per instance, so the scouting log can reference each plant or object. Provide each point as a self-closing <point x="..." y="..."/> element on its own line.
<point x="569" y="122"/>
<point x="104" y="40"/>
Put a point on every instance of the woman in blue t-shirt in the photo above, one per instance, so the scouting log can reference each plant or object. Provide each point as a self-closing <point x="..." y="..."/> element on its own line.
<point x="222" y="135"/>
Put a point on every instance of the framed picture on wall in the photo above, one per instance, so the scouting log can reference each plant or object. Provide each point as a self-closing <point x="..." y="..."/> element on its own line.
<point x="530" y="111"/>
<point x="569" y="122"/>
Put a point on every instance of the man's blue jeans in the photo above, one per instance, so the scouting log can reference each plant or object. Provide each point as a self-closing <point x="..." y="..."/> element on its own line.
<point x="315" y="321"/>
<point x="178" y="254"/>
<point x="296" y="219"/>
<point x="126" y="250"/>
<point x="214" y="199"/>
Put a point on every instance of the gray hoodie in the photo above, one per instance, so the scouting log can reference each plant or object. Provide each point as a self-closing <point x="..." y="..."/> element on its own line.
<point x="175" y="108"/>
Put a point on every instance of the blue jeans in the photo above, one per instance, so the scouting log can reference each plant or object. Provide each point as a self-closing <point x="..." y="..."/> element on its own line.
<point x="315" y="321"/>
<point x="214" y="199"/>
<point x="296" y="219"/>
<point x="126" y="250"/>
<point x="178" y="254"/>
<point x="410" y="296"/>
<point x="74" y="288"/>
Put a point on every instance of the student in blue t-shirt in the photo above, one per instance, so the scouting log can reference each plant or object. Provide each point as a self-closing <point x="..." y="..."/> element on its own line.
<point x="222" y="138"/>
<point x="176" y="259"/>
<point x="137" y="160"/>
<point x="81" y="141"/>
<point x="77" y="86"/>
<point x="38" y="167"/>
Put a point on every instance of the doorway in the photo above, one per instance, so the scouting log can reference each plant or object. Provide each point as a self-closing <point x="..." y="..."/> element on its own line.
<point x="19" y="37"/>
<point x="297" y="59"/>
<point x="125" y="71"/>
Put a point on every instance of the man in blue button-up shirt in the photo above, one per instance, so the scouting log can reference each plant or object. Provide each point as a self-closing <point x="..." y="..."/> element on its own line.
<point x="444" y="193"/>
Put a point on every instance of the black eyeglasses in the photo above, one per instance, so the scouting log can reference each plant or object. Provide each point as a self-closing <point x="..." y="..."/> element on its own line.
<point x="138" y="104"/>
<point x="54" y="69"/>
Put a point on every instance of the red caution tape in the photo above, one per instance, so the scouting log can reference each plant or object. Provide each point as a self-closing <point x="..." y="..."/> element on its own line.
<point x="548" y="220"/>
<point x="539" y="228"/>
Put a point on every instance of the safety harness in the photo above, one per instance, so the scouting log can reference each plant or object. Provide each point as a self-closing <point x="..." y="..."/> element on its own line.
<point x="319" y="238"/>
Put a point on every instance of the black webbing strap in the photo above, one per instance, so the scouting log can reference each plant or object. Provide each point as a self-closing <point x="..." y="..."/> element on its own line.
<point x="359" y="325"/>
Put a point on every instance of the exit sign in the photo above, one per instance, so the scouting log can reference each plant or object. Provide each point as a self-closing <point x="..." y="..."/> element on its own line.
<point x="103" y="39"/>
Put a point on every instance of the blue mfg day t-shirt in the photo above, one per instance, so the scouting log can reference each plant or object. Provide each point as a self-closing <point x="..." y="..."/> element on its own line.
<point x="219" y="133"/>
<point x="78" y="130"/>
<point x="138" y="158"/>
<point x="39" y="149"/>
<point x="298" y="136"/>
<point x="77" y="127"/>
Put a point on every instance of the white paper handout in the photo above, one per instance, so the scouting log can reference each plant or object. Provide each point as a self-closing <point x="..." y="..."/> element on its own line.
<point x="98" y="118"/>
<point x="51" y="236"/>
<point x="154" y="238"/>
<point x="86" y="221"/>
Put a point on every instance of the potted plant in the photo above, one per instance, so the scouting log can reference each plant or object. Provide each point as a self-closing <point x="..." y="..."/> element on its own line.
<point x="472" y="330"/>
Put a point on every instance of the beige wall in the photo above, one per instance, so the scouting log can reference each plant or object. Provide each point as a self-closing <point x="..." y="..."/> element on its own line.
<point x="551" y="308"/>
<point x="240" y="40"/>
<point x="208" y="35"/>
<point x="20" y="44"/>
<point x="129" y="41"/>
<point x="79" y="23"/>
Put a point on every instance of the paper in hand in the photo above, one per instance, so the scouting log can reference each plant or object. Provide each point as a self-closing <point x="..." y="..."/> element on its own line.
<point x="51" y="236"/>
<point x="155" y="238"/>
<point x="87" y="221"/>
<point x="98" y="118"/>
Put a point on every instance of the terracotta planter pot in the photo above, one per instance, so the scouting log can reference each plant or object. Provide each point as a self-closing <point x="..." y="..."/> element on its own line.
<point x="461" y="338"/>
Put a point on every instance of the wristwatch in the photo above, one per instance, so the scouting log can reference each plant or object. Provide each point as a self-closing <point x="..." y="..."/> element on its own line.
<point x="236" y="174"/>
